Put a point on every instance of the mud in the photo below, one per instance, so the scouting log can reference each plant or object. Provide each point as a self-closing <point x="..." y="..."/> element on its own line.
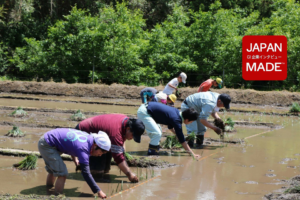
<point x="289" y="192"/>
<point x="282" y="98"/>
<point x="149" y="162"/>
<point x="212" y="141"/>
<point x="31" y="197"/>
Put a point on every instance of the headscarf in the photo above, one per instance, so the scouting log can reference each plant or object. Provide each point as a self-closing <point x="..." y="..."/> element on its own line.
<point x="102" y="140"/>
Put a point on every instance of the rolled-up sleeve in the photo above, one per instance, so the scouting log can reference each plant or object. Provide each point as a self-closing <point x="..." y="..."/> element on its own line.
<point x="117" y="150"/>
<point x="206" y="111"/>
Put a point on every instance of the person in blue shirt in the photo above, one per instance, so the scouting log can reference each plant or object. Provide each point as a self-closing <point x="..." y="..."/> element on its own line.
<point x="147" y="94"/>
<point x="206" y="103"/>
<point x="154" y="113"/>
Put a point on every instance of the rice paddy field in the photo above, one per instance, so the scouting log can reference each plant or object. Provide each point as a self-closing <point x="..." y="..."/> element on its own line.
<point x="266" y="156"/>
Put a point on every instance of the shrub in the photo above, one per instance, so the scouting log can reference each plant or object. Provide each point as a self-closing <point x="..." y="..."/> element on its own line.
<point x="295" y="107"/>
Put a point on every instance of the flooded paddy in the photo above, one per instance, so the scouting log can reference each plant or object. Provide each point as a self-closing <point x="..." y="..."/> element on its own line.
<point x="244" y="171"/>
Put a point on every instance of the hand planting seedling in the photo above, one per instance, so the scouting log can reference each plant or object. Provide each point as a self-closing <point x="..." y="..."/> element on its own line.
<point x="19" y="112"/>
<point x="29" y="163"/>
<point x="78" y="116"/>
<point x="15" y="132"/>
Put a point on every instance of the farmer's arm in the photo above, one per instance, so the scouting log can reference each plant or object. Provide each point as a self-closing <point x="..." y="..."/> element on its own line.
<point x="215" y="115"/>
<point x="85" y="171"/>
<point x="125" y="169"/>
<point x="204" y="114"/>
<point x="171" y="84"/>
<point x="75" y="160"/>
<point x="181" y="139"/>
<point x="200" y="88"/>
<point x="124" y="146"/>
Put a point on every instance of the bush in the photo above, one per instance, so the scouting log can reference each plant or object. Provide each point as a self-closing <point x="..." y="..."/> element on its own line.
<point x="295" y="107"/>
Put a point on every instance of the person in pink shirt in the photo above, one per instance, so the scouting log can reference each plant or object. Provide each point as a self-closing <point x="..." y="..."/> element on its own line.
<point x="206" y="85"/>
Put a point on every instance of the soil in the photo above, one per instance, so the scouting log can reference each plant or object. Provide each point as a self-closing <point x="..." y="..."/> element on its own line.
<point x="248" y="96"/>
<point x="148" y="162"/>
<point x="31" y="197"/>
<point x="212" y="141"/>
<point x="289" y="192"/>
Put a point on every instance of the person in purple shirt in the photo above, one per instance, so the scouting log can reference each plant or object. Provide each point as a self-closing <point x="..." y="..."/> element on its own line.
<point x="75" y="143"/>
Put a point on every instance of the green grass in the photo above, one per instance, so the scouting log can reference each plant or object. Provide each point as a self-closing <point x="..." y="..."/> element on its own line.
<point x="295" y="107"/>
<point x="15" y="132"/>
<point x="78" y="116"/>
<point x="19" y="112"/>
<point x="171" y="142"/>
<point x="295" y="189"/>
<point x="29" y="163"/>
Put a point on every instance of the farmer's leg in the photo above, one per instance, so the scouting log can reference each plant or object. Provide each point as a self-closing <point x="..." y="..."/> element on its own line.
<point x="54" y="163"/>
<point x="60" y="184"/>
<point x="151" y="128"/>
<point x="50" y="180"/>
<point x="108" y="162"/>
<point x="200" y="133"/>
<point x="144" y="100"/>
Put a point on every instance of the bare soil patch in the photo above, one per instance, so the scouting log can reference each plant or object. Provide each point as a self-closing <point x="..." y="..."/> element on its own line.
<point x="289" y="192"/>
<point x="278" y="98"/>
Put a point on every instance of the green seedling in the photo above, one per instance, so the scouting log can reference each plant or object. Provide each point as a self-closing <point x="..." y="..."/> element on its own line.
<point x="15" y="132"/>
<point x="29" y="163"/>
<point x="78" y="116"/>
<point x="171" y="142"/>
<point x="128" y="156"/>
<point x="19" y="112"/>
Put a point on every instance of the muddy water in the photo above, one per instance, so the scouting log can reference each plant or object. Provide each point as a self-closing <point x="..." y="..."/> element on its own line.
<point x="225" y="172"/>
<point x="137" y="102"/>
<point x="68" y="105"/>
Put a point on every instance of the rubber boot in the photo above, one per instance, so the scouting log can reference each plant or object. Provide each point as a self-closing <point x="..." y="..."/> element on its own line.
<point x="190" y="142"/>
<point x="153" y="150"/>
<point x="200" y="139"/>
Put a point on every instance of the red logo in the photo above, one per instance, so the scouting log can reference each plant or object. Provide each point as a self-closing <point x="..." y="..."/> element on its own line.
<point x="264" y="58"/>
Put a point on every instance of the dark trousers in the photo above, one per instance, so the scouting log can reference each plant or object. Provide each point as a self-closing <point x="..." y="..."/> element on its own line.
<point x="101" y="163"/>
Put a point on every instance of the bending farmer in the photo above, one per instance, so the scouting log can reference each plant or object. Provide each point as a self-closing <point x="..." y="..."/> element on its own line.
<point x="173" y="84"/>
<point x="153" y="113"/>
<point x="75" y="143"/>
<point x="206" y="85"/>
<point x="147" y="94"/>
<point x="206" y="103"/>
<point x="119" y="128"/>
<point x="165" y="99"/>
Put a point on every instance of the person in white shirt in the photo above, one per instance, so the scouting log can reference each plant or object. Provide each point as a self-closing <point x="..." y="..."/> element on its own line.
<point x="173" y="84"/>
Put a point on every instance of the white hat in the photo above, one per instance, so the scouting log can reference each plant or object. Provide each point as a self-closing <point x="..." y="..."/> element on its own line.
<point x="102" y="140"/>
<point x="183" y="76"/>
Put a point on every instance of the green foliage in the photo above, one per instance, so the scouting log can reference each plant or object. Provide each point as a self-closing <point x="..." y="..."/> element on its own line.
<point x="295" y="107"/>
<point x="192" y="136"/>
<point x="142" y="42"/>
<point x="19" y="112"/>
<point x="128" y="156"/>
<point x="171" y="142"/>
<point x="15" y="132"/>
<point x="29" y="163"/>
<point x="295" y="189"/>
<point x="78" y="116"/>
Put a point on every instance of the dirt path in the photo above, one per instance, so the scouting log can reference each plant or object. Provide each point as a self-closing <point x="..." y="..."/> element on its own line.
<point x="278" y="98"/>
